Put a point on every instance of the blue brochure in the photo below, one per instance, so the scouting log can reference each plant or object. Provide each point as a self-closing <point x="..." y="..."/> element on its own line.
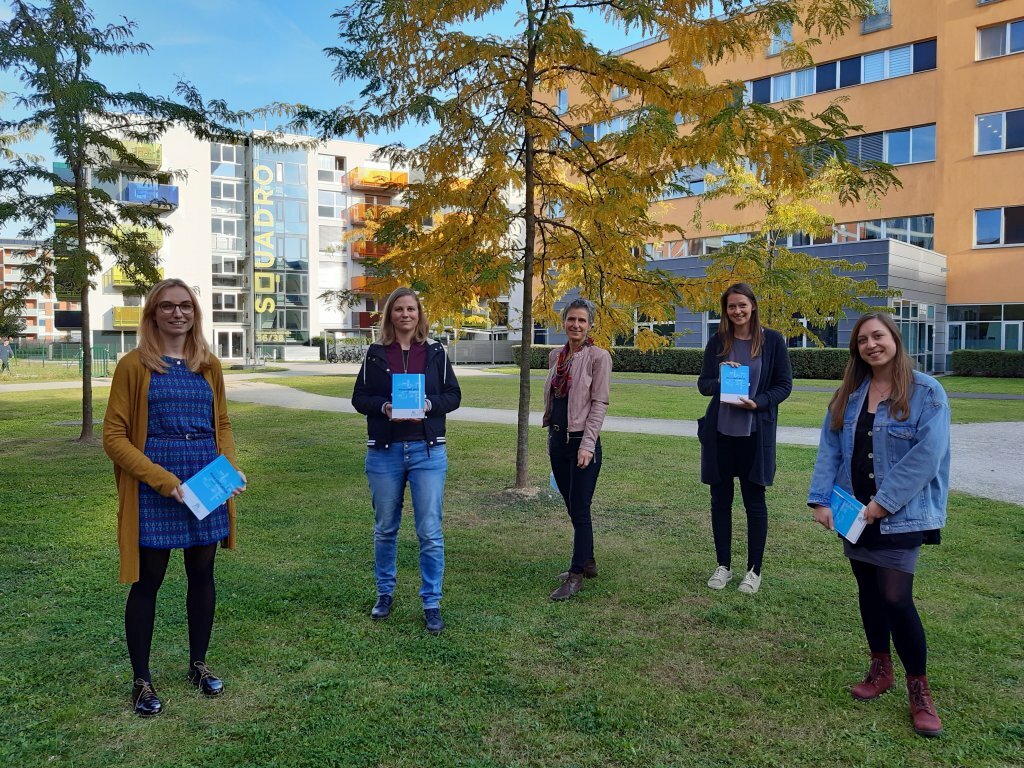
<point x="735" y="383"/>
<point x="408" y="395"/>
<point x="847" y="514"/>
<point x="211" y="486"/>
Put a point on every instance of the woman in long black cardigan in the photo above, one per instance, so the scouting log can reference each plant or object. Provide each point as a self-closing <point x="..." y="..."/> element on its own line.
<point x="739" y="440"/>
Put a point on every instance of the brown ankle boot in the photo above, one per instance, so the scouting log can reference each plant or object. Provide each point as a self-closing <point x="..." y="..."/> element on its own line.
<point x="569" y="587"/>
<point x="879" y="678"/>
<point x="589" y="571"/>
<point x="922" y="709"/>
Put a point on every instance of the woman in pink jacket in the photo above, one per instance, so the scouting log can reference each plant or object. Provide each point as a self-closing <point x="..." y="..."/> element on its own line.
<point x="575" y="403"/>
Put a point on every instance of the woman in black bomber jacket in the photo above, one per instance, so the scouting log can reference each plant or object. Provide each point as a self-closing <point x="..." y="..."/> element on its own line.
<point x="738" y="440"/>
<point x="401" y="451"/>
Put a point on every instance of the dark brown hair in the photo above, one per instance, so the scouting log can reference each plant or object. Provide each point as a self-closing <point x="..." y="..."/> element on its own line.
<point x="857" y="368"/>
<point x="725" y="331"/>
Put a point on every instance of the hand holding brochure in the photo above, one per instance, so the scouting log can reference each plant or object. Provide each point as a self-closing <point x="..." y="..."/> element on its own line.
<point x="408" y="395"/>
<point x="211" y="486"/>
<point x="735" y="383"/>
<point x="847" y="514"/>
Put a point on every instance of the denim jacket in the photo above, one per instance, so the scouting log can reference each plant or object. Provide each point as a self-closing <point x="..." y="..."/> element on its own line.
<point x="911" y="458"/>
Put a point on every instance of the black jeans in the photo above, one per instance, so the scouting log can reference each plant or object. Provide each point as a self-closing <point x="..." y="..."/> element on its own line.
<point x="735" y="458"/>
<point x="577" y="488"/>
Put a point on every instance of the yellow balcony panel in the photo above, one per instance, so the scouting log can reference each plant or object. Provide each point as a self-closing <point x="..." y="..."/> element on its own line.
<point x="150" y="153"/>
<point x="115" y="277"/>
<point x="360" y="213"/>
<point x="127" y="317"/>
<point x="376" y="178"/>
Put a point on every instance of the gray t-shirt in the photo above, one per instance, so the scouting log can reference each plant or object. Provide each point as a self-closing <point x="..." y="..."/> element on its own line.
<point x="6" y="352"/>
<point x="733" y="420"/>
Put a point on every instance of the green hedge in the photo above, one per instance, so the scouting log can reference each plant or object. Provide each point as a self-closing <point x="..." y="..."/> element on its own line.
<point x="807" y="363"/>
<point x="988" y="362"/>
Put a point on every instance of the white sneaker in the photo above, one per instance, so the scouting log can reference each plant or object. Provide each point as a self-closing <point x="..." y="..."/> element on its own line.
<point x="750" y="584"/>
<point x="720" y="577"/>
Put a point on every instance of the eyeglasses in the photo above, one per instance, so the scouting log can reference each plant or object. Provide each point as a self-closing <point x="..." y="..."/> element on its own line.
<point x="168" y="307"/>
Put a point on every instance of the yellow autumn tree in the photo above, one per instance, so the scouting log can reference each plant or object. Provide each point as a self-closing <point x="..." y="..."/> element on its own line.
<point x="560" y="199"/>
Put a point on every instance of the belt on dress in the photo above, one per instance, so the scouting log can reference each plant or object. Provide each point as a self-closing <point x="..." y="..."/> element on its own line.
<point x="183" y="436"/>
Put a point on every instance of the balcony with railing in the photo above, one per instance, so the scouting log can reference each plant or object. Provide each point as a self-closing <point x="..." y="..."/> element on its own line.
<point x="365" y="284"/>
<point x="127" y="317"/>
<point x="376" y="179"/>
<point x="152" y="234"/>
<point x="360" y="213"/>
<point x="146" y="193"/>
<point x="116" y="277"/>
<point x="369" y="249"/>
<point x="150" y="153"/>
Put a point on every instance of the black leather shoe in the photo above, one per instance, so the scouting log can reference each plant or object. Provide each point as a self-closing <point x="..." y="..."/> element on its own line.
<point x="382" y="608"/>
<point x="432" y="616"/>
<point x="202" y="678"/>
<point x="144" y="699"/>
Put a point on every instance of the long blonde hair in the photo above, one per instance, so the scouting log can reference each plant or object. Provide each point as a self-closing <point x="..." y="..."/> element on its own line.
<point x="197" y="351"/>
<point x="387" y="327"/>
<point x="857" y="368"/>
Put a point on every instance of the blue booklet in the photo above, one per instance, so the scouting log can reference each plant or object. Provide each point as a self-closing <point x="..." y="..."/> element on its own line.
<point x="735" y="383"/>
<point x="211" y="486"/>
<point x="408" y="395"/>
<point x="847" y="514"/>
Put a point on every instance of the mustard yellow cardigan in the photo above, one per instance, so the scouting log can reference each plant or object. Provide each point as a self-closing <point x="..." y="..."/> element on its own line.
<point x="124" y="440"/>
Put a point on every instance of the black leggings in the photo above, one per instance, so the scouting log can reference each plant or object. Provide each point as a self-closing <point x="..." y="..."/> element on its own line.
<point x="735" y="459"/>
<point x="200" y="602"/>
<point x="887" y="609"/>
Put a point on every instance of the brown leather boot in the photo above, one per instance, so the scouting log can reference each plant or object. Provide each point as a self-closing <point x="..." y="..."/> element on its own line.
<point x="589" y="571"/>
<point x="922" y="709"/>
<point x="569" y="587"/>
<point x="879" y="679"/>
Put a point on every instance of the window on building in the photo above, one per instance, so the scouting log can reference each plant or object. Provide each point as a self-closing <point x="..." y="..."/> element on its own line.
<point x="619" y="92"/>
<point x="227" y="160"/>
<point x="330" y="169"/>
<point x="910" y="145"/>
<point x="999" y="226"/>
<point x="999" y="131"/>
<point x="563" y="101"/>
<point x="783" y="36"/>
<point x="1001" y="39"/>
<point x="330" y="204"/>
<point x="878" y="18"/>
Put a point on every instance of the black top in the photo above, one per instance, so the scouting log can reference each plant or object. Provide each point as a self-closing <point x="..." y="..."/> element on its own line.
<point x="862" y="476"/>
<point x="559" y="413"/>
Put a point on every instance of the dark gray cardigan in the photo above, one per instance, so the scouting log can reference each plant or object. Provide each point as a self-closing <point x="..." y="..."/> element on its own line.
<point x="773" y="386"/>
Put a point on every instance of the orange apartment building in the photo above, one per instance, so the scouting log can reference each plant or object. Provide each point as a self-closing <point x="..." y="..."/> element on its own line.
<point x="938" y="86"/>
<point x="47" y="318"/>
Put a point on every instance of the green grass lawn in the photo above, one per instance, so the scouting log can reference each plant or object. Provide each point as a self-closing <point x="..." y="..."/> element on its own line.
<point x="646" y="668"/>
<point x="801" y="409"/>
<point x="26" y="370"/>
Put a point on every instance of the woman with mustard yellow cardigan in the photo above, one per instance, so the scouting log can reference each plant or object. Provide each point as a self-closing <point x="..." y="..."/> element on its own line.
<point x="167" y="419"/>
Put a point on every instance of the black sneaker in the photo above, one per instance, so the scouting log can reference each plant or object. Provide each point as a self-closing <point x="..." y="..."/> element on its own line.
<point x="382" y="608"/>
<point x="432" y="616"/>
<point x="144" y="699"/>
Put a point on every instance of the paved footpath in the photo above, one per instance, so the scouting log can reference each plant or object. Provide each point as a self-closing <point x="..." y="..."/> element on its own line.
<point x="985" y="462"/>
<point x="983" y="457"/>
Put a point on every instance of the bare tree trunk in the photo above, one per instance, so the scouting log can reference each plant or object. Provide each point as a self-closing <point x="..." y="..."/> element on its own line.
<point x="88" y="433"/>
<point x="530" y="225"/>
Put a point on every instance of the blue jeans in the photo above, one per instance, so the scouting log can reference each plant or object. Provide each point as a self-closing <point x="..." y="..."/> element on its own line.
<point x="424" y="468"/>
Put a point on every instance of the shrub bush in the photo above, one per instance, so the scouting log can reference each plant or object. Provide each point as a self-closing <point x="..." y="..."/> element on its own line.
<point x="988" y="362"/>
<point x="807" y="363"/>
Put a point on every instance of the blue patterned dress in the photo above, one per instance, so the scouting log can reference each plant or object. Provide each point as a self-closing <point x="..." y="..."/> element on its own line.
<point x="180" y="438"/>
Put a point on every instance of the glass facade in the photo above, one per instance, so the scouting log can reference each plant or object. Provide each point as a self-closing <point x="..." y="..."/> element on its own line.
<point x="985" y="326"/>
<point x="229" y="248"/>
<point x="280" y="231"/>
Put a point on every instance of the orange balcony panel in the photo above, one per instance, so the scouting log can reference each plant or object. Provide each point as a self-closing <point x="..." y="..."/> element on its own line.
<point x="360" y="213"/>
<point x="364" y="284"/>
<point x="368" y="319"/>
<point x="362" y="249"/>
<point x="376" y="178"/>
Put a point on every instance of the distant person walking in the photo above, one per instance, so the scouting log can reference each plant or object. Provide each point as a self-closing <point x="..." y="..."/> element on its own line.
<point x="575" y="404"/>
<point x="406" y="451"/>
<point x="885" y="439"/>
<point x="166" y="420"/>
<point x="738" y="439"/>
<point x="6" y="353"/>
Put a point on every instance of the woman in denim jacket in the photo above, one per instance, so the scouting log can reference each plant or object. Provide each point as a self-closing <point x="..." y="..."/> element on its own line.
<point x="885" y="439"/>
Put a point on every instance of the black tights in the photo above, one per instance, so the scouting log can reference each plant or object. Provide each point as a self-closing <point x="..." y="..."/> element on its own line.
<point x="200" y="601"/>
<point x="887" y="609"/>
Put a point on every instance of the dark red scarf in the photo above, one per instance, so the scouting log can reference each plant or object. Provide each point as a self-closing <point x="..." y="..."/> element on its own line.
<point x="562" y="379"/>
